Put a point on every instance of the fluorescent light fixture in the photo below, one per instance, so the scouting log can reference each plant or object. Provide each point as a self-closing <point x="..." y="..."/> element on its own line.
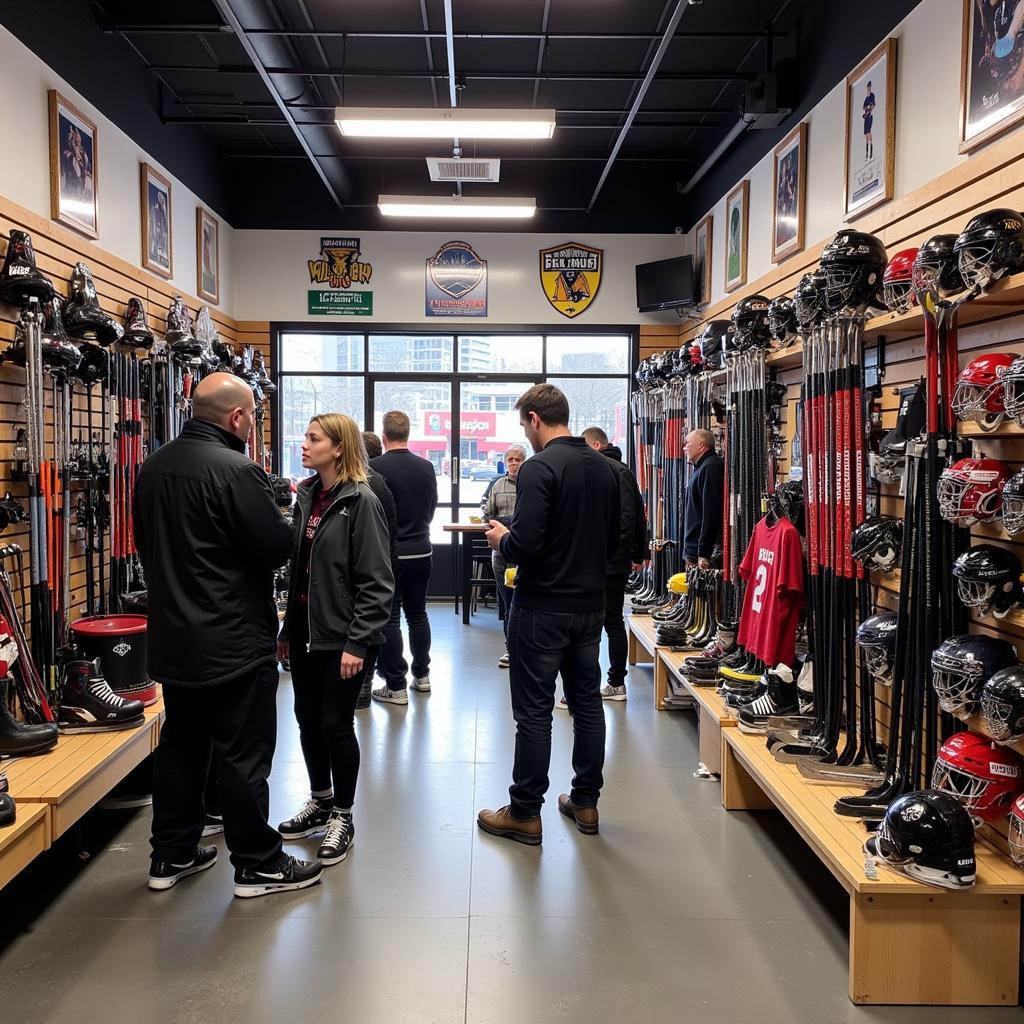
<point x="458" y="123"/>
<point x="456" y="207"/>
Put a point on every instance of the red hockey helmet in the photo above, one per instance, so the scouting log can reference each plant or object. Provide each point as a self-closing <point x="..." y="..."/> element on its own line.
<point x="971" y="490"/>
<point x="978" y="394"/>
<point x="897" y="282"/>
<point x="983" y="777"/>
<point x="1016" y="833"/>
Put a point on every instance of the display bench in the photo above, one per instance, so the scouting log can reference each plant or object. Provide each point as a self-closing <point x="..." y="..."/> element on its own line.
<point x="55" y="789"/>
<point x="910" y="944"/>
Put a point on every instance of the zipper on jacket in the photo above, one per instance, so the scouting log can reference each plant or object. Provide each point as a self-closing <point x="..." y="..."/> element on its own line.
<point x="309" y="614"/>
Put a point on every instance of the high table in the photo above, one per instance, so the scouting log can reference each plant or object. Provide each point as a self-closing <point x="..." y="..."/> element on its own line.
<point x="457" y="530"/>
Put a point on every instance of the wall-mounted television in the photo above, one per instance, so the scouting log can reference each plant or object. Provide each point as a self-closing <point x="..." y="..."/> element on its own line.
<point x="665" y="284"/>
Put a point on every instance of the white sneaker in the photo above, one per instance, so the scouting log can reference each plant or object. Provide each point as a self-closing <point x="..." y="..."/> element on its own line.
<point x="609" y="692"/>
<point x="422" y="685"/>
<point x="503" y="661"/>
<point x="562" y="705"/>
<point x="386" y="696"/>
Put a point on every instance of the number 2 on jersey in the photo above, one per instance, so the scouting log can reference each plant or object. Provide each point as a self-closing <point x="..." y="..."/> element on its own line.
<point x="761" y="576"/>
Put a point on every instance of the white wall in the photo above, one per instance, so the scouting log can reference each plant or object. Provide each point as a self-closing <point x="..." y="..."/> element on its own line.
<point x="272" y="278"/>
<point x="927" y="138"/>
<point x="25" y="170"/>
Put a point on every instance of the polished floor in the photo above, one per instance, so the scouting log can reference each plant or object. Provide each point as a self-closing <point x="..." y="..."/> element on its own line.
<point x="676" y="912"/>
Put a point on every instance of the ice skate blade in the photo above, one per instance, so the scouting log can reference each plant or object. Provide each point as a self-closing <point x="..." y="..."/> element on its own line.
<point x="134" y="723"/>
<point x="791" y="753"/>
<point x="856" y="775"/>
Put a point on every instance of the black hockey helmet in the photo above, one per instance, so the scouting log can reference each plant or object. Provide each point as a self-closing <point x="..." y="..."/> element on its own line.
<point x="1002" y="704"/>
<point x="989" y="578"/>
<point x="853" y="264"/>
<point x="990" y="247"/>
<point x="936" y="268"/>
<point x="928" y="836"/>
<point x="712" y="342"/>
<point x="750" y="316"/>
<point x="788" y="499"/>
<point x="808" y="301"/>
<point x="961" y="665"/>
<point x="782" y="319"/>
<point x="876" y="638"/>
<point x="876" y="543"/>
<point x="1013" y="504"/>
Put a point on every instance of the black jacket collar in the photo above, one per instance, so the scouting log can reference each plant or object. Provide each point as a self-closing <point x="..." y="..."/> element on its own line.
<point x="204" y="431"/>
<point x="576" y="442"/>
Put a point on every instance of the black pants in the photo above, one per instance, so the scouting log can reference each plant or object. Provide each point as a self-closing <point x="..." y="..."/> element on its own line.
<point x="235" y="725"/>
<point x="325" y="708"/>
<point x="504" y="595"/>
<point x="542" y="644"/>
<point x="411" y="595"/>
<point x="615" y="626"/>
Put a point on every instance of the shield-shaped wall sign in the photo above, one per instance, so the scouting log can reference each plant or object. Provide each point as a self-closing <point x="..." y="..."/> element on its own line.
<point x="570" y="275"/>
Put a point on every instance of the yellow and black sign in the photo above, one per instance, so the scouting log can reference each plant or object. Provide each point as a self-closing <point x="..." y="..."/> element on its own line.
<point x="339" y="265"/>
<point x="570" y="275"/>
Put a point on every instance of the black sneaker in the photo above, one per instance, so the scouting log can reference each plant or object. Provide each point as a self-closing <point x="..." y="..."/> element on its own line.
<point x="163" y="874"/>
<point x="310" y="820"/>
<point x="290" y="874"/>
<point x="214" y="825"/>
<point x="339" y="838"/>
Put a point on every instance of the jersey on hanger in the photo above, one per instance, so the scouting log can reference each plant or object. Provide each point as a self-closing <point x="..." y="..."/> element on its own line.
<point x="773" y="567"/>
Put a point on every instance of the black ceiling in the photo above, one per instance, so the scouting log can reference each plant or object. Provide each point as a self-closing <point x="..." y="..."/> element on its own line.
<point x="178" y="78"/>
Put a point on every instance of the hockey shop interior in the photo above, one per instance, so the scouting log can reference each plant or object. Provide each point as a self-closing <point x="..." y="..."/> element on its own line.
<point x="789" y="232"/>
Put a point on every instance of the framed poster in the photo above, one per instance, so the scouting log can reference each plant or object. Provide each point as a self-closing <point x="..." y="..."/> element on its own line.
<point x="991" y="71"/>
<point x="456" y="281"/>
<point x="736" y="215"/>
<point x="788" y="187"/>
<point x="870" y="132"/>
<point x="207" y="256"/>
<point x="156" y="221"/>
<point x="702" y="260"/>
<point x="74" y="171"/>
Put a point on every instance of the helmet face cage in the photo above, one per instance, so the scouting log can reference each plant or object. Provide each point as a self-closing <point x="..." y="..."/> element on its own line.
<point x="845" y="288"/>
<point x="1013" y="514"/>
<point x="979" y="402"/>
<point x="983" y="262"/>
<point x="898" y="296"/>
<point x="1013" y="392"/>
<point x="975" y="594"/>
<point x="956" y="683"/>
<point x="969" y="789"/>
<point x="878" y="662"/>
<point x="1001" y="718"/>
<point x="950" y="492"/>
<point x="1015" y="838"/>
<point x="886" y="469"/>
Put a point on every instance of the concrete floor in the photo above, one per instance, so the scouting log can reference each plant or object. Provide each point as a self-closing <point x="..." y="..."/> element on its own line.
<point x="677" y="911"/>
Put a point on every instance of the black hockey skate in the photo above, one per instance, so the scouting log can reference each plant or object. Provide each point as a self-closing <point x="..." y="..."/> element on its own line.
<point x="8" y="810"/>
<point x="88" y="704"/>
<point x="83" y="318"/>
<point x="18" y="739"/>
<point x="137" y="331"/>
<point x="20" y="280"/>
<point x="779" y="698"/>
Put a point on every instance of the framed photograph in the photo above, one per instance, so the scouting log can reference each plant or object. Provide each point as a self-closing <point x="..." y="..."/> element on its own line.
<point x="736" y="215"/>
<point x="991" y="71"/>
<point x="870" y="132"/>
<point x="74" y="167"/>
<point x="788" y="188"/>
<point x="156" y="222"/>
<point x="207" y="256"/>
<point x="702" y="260"/>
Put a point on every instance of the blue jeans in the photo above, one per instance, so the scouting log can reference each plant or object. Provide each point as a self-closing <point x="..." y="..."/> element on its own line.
<point x="541" y="645"/>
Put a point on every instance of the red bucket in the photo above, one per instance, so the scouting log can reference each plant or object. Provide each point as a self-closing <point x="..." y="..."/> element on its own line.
<point x="119" y="641"/>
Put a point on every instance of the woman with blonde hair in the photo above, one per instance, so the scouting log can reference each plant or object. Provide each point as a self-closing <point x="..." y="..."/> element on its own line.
<point x="339" y="601"/>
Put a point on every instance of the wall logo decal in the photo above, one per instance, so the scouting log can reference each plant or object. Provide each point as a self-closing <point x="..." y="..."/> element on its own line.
<point x="456" y="281"/>
<point x="339" y="266"/>
<point x="570" y="275"/>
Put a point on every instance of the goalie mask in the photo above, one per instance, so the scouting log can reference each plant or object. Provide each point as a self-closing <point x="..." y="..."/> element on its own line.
<point x="971" y="490"/>
<point x="876" y="638"/>
<point x="876" y="543"/>
<point x="962" y="665"/>
<point x="1013" y="504"/>
<point x="978" y="394"/>
<point x="988" y="578"/>
<point x="928" y="836"/>
<point x="782" y="320"/>
<point x="897" y="282"/>
<point x="983" y="777"/>
<point x="1015" y="836"/>
<point x="1002" y="705"/>
<point x="936" y="269"/>
<point x="990" y="247"/>
<point x="853" y="264"/>
<point x="807" y="301"/>
<point x="751" y="320"/>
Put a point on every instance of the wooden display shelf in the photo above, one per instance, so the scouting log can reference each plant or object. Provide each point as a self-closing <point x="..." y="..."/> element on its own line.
<point x="641" y="638"/>
<point x="1007" y="429"/>
<point x="910" y="944"/>
<point x="787" y="358"/>
<point x="23" y="841"/>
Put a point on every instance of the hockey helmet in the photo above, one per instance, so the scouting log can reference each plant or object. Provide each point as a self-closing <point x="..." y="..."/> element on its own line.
<point x="788" y="499"/>
<point x="936" y="269"/>
<point x="876" y="543"/>
<point x="1013" y="504"/>
<point x="990" y="247"/>
<point x="712" y="342"/>
<point x="876" y="638"/>
<point x="677" y="583"/>
<point x="1002" y="704"/>
<point x="985" y="778"/>
<point x="1013" y="391"/>
<point x="971" y="490"/>
<point x="782" y="319"/>
<point x="808" y="301"/>
<point x="961" y="665"/>
<point x="897" y="281"/>
<point x="1015" y="836"/>
<point x="887" y="465"/>
<point x="853" y="264"/>
<point x="928" y="836"/>
<point x="750" y="316"/>
<point x="988" y="578"/>
<point x="978" y="394"/>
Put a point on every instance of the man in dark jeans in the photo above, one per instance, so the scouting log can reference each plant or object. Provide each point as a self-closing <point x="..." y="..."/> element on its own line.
<point x="564" y="530"/>
<point x="414" y="485"/>
<point x="210" y="536"/>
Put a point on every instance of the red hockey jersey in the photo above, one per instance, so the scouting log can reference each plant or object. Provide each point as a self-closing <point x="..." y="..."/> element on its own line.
<point x="773" y="567"/>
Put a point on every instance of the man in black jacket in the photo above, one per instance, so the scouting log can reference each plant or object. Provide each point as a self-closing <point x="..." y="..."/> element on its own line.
<point x="210" y="537"/>
<point x="702" y="523"/>
<point x="564" y="530"/>
<point x="631" y="551"/>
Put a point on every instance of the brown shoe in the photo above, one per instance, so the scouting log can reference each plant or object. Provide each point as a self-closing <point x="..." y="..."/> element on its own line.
<point x="502" y="823"/>
<point x="586" y="818"/>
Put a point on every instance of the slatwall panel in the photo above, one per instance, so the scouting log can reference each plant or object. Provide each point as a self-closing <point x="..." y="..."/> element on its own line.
<point x="257" y="334"/>
<point x="657" y="338"/>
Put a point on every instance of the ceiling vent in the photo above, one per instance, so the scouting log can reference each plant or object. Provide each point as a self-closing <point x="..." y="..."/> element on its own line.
<point x="452" y="168"/>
